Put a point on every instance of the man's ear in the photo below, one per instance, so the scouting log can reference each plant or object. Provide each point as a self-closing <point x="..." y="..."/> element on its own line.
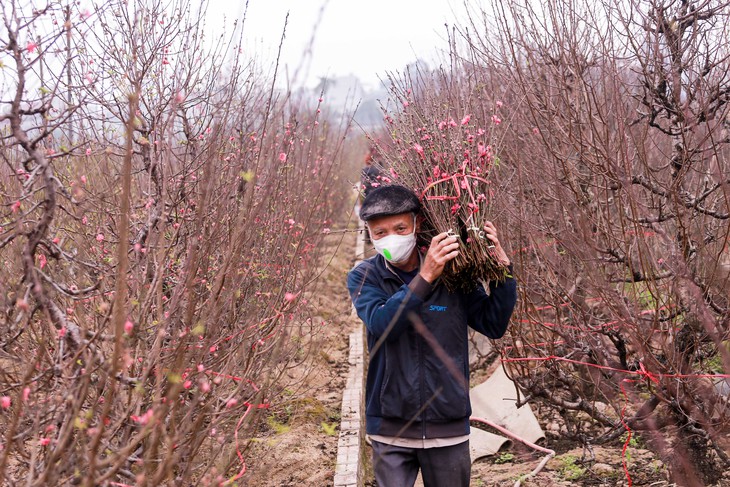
<point x="419" y="222"/>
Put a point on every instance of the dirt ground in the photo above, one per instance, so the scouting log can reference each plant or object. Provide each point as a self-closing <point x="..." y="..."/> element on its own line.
<point x="298" y="444"/>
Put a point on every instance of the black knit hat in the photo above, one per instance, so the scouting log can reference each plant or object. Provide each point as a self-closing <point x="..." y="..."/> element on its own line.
<point x="389" y="200"/>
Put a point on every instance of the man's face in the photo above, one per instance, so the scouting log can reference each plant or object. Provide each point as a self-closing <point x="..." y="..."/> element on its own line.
<point x="401" y="224"/>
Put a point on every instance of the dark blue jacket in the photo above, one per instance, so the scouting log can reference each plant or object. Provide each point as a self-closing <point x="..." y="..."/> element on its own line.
<point x="418" y="375"/>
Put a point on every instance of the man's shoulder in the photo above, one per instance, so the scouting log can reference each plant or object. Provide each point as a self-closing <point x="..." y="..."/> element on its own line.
<point x="371" y="171"/>
<point x="366" y="265"/>
<point x="365" y="270"/>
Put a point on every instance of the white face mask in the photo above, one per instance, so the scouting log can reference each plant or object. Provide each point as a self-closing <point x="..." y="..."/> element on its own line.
<point x="396" y="248"/>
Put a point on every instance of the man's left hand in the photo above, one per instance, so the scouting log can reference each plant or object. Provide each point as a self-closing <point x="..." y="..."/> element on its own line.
<point x="490" y="232"/>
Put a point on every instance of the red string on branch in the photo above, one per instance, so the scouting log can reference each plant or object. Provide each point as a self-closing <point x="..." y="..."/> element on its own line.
<point x="249" y="408"/>
<point x="457" y="186"/>
<point x="641" y="372"/>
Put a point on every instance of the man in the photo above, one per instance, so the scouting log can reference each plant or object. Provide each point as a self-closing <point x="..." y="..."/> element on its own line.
<point x="370" y="174"/>
<point x="369" y="178"/>
<point x="417" y="392"/>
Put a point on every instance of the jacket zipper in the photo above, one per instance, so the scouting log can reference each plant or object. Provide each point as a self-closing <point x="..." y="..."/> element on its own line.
<point x="422" y="375"/>
<point x="421" y="389"/>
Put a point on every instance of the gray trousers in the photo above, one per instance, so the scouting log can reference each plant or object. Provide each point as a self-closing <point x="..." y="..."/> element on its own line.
<point x="448" y="466"/>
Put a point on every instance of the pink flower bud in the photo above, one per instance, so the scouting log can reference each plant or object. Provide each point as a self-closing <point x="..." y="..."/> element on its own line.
<point x="128" y="327"/>
<point x="22" y="304"/>
<point x="5" y="402"/>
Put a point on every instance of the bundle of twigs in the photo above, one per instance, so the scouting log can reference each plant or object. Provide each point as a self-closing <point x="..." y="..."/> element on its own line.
<point x="447" y="157"/>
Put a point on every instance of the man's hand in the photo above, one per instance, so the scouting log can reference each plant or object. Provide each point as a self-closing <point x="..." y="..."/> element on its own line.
<point x="490" y="232"/>
<point x="444" y="247"/>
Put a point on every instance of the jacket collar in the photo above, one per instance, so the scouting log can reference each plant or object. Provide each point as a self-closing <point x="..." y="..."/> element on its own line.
<point x="385" y="269"/>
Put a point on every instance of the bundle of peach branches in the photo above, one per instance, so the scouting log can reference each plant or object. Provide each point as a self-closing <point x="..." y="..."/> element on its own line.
<point x="447" y="161"/>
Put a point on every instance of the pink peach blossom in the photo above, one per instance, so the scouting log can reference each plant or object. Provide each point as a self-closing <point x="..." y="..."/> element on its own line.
<point x="144" y="419"/>
<point x="418" y="149"/>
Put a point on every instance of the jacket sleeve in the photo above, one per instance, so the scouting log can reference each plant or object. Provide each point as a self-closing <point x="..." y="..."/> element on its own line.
<point x="490" y="314"/>
<point x="384" y="314"/>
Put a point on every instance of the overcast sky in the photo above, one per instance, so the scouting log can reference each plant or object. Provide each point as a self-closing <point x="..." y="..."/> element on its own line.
<point x="361" y="37"/>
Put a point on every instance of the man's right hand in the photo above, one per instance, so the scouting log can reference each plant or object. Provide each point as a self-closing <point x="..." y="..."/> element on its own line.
<point x="444" y="247"/>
